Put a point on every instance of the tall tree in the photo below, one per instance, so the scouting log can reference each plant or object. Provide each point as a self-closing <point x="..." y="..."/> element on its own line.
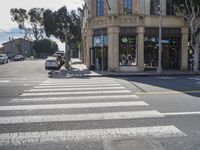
<point x="190" y="10"/>
<point x="30" y="21"/>
<point x="62" y="21"/>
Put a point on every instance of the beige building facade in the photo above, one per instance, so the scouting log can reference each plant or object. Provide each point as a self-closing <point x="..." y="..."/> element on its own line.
<point x="122" y="35"/>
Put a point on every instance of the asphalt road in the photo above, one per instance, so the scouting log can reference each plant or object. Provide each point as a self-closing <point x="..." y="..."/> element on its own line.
<point x="96" y="113"/>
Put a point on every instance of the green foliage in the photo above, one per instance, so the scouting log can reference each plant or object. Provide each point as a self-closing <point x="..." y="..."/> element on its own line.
<point x="19" y="16"/>
<point x="45" y="46"/>
<point x="62" y="21"/>
<point x="31" y="22"/>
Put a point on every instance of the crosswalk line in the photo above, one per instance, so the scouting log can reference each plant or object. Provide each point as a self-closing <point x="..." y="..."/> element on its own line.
<point x="4" y="81"/>
<point x="89" y="135"/>
<point x="83" y="98"/>
<point x="76" y="86"/>
<point x="80" y="117"/>
<point x="75" y="105"/>
<point x="76" y="93"/>
<point x="75" y="89"/>
<point x="79" y="83"/>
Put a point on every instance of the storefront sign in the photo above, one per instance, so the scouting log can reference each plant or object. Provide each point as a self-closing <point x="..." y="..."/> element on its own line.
<point x="100" y="41"/>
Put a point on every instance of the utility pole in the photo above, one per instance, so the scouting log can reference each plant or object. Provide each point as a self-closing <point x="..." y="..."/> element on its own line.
<point x="159" y="69"/>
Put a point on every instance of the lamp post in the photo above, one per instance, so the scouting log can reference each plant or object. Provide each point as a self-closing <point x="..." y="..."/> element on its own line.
<point x="159" y="69"/>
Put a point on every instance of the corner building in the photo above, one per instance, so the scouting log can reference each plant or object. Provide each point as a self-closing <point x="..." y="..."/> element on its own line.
<point x="122" y="35"/>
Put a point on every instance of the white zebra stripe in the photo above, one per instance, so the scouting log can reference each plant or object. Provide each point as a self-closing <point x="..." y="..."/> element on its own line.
<point x="84" y="98"/>
<point x="75" y="89"/>
<point x="76" y="105"/>
<point x="80" y="117"/>
<point x="79" y="83"/>
<point x="76" y="86"/>
<point x="90" y="135"/>
<point x="76" y="93"/>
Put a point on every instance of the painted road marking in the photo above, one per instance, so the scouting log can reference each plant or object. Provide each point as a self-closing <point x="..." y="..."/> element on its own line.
<point x="76" y="105"/>
<point x="91" y="135"/>
<point x="84" y="98"/>
<point x="76" y="93"/>
<point x="74" y="86"/>
<point x="167" y="78"/>
<point x="181" y="113"/>
<point x="198" y="79"/>
<point x="78" y="83"/>
<point x="4" y="81"/>
<point x="80" y="117"/>
<point x="167" y="92"/>
<point x="75" y="89"/>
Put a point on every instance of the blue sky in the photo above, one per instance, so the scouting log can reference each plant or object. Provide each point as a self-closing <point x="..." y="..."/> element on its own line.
<point x="10" y="29"/>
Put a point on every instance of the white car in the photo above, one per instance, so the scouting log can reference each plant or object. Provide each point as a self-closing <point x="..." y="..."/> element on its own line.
<point x="52" y="63"/>
<point x="3" y="59"/>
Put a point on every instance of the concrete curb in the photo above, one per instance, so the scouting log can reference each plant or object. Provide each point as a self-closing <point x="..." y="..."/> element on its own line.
<point x="138" y="75"/>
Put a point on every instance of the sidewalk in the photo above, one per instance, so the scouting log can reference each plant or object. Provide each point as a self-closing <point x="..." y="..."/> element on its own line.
<point x="80" y="70"/>
<point x="78" y="65"/>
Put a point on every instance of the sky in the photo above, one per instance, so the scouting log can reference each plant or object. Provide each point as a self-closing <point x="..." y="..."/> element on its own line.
<point x="10" y="29"/>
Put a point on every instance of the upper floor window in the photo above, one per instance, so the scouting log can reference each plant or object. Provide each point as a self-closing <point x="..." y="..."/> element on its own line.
<point x="100" y="7"/>
<point x="127" y="6"/>
<point x="170" y="7"/>
<point x="155" y="7"/>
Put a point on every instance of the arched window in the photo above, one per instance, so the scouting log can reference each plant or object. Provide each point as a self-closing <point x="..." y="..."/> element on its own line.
<point x="127" y="6"/>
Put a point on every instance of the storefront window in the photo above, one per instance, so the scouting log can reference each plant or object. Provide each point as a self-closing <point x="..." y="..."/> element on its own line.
<point x="171" y="43"/>
<point x="127" y="50"/>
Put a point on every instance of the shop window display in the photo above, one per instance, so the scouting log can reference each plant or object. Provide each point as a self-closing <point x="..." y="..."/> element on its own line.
<point x="127" y="51"/>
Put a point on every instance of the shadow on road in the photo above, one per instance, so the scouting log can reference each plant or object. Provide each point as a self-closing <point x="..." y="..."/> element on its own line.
<point x="167" y="85"/>
<point x="70" y="73"/>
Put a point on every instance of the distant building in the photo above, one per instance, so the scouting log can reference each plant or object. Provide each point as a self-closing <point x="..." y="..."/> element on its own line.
<point x="18" y="46"/>
<point x="1" y="50"/>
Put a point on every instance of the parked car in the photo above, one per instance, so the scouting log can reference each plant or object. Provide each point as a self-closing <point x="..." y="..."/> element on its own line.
<point x="53" y="63"/>
<point x="18" y="58"/>
<point x="3" y="59"/>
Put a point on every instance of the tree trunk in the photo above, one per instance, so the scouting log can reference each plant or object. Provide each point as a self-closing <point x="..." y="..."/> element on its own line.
<point x="196" y="58"/>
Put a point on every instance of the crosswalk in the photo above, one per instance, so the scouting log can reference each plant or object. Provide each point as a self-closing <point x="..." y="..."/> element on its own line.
<point x="94" y="101"/>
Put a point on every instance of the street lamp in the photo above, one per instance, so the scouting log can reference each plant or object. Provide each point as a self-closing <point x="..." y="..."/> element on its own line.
<point x="159" y="69"/>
